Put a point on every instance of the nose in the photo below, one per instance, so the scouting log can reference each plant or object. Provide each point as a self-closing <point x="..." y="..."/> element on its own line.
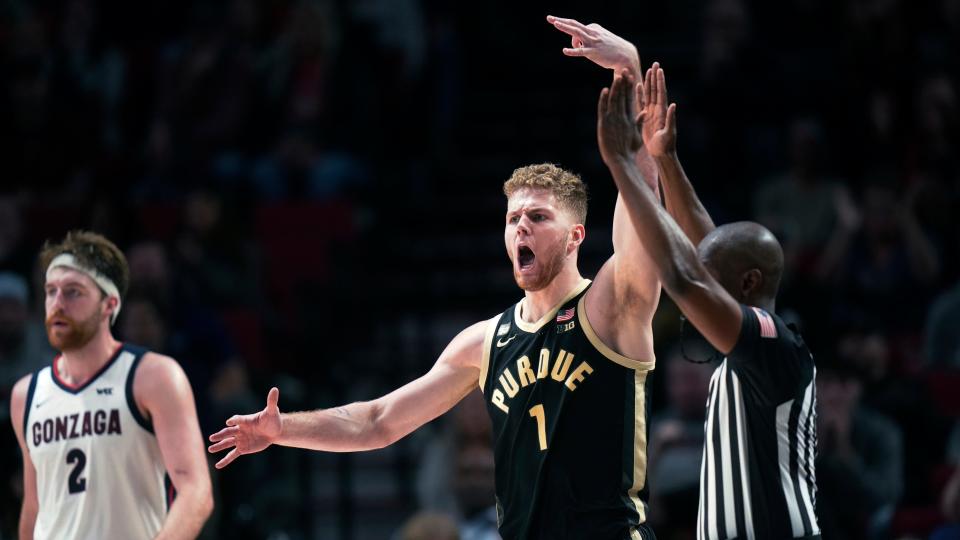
<point x="55" y="302"/>
<point x="523" y="226"/>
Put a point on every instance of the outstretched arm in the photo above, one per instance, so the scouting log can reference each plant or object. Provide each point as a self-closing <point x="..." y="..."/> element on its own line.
<point x="704" y="302"/>
<point x="658" y="123"/>
<point x="364" y="425"/>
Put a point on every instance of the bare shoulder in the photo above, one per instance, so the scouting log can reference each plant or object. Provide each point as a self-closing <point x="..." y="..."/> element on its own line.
<point x="620" y="315"/>
<point x="158" y="375"/>
<point x="18" y="398"/>
<point x="466" y="349"/>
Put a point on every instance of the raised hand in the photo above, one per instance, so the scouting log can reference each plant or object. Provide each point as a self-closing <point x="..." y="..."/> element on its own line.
<point x="597" y="44"/>
<point x="657" y="121"/>
<point x="248" y="433"/>
<point x="616" y="126"/>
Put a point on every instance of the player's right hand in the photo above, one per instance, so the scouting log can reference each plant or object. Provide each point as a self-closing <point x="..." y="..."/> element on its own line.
<point x="248" y="433"/>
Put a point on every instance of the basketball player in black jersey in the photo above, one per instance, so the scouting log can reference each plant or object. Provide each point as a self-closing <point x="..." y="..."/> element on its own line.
<point x="563" y="371"/>
<point x="757" y="474"/>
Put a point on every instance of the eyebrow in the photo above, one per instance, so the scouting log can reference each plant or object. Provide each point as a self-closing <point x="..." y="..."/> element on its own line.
<point x="67" y="283"/>
<point x="531" y="209"/>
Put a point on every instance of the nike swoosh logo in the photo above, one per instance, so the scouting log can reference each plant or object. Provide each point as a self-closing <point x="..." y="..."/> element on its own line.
<point x="39" y="403"/>
<point x="503" y="343"/>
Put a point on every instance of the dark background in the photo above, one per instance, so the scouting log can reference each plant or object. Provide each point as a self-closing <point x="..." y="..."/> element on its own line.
<point x="309" y="194"/>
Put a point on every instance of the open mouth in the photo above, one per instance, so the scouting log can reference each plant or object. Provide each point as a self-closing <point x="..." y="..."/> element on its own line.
<point x="525" y="257"/>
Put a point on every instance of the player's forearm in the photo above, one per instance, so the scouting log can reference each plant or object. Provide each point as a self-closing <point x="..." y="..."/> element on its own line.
<point x="189" y="511"/>
<point x="671" y="252"/>
<point x="349" y="428"/>
<point x="682" y="201"/>
<point x="28" y="519"/>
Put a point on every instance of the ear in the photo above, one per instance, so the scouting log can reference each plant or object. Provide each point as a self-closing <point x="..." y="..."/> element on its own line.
<point x="577" y="235"/>
<point x="111" y="303"/>
<point x="750" y="282"/>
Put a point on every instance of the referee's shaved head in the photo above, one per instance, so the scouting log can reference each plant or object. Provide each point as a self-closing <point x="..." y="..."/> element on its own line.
<point x="746" y="259"/>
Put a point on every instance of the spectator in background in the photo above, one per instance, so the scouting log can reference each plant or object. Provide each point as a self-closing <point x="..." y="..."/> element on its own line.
<point x="23" y="341"/>
<point x="798" y="205"/>
<point x="859" y="462"/>
<point x="880" y="257"/>
<point x="171" y="321"/>
<point x="429" y="526"/>
<point x="456" y="471"/>
<point x="23" y="349"/>
<point x="14" y="255"/>
<point x="676" y="446"/>
<point x="216" y="262"/>
<point x="942" y="335"/>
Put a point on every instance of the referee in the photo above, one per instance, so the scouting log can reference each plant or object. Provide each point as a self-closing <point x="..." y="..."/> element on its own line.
<point x="757" y="478"/>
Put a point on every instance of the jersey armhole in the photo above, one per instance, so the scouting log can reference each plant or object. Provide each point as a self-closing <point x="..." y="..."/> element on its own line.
<point x="602" y="348"/>
<point x="131" y="401"/>
<point x="487" y="343"/>
<point x="29" y="401"/>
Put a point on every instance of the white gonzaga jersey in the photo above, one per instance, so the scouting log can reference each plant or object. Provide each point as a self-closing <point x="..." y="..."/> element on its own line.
<point x="99" y="470"/>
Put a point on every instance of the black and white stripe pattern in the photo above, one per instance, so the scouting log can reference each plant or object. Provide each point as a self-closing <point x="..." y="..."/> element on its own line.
<point x="732" y="503"/>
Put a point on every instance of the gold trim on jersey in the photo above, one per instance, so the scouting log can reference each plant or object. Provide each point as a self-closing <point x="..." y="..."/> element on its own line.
<point x="629" y="363"/>
<point x="487" y="341"/>
<point x="639" y="442"/>
<point x="535" y="327"/>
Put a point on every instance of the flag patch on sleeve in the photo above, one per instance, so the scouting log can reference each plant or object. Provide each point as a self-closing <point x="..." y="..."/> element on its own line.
<point x="768" y="329"/>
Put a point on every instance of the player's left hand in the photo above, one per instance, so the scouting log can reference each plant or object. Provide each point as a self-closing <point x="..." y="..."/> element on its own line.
<point x="616" y="127"/>
<point x="657" y="120"/>
<point x="597" y="44"/>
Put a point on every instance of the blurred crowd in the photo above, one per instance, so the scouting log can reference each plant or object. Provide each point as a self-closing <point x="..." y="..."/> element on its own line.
<point x="308" y="193"/>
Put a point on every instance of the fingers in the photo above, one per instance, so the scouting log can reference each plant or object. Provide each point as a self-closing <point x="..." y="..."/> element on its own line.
<point x="222" y="445"/>
<point x="602" y="102"/>
<point x="273" y="397"/>
<point x="579" y="32"/>
<point x="655" y="95"/>
<point x="228" y="459"/>
<point x="641" y="103"/>
<point x="648" y="86"/>
<point x="580" y="51"/>
<point x="620" y="92"/>
<point x="224" y="433"/>
<point x="672" y="116"/>
<point x="661" y="86"/>
<point x="570" y="22"/>
<point x="627" y="92"/>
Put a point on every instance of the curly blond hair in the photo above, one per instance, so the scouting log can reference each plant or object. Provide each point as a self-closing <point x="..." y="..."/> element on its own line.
<point x="567" y="187"/>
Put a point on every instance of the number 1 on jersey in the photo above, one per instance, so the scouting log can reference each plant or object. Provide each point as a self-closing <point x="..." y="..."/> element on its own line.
<point x="537" y="412"/>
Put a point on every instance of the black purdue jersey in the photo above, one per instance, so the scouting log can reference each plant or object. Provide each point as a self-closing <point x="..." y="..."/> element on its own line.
<point x="570" y="428"/>
<point x="757" y="478"/>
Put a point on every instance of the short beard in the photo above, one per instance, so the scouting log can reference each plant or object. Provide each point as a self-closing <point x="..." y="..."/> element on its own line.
<point x="551" y="267"/>
<point x="77" y="335"/>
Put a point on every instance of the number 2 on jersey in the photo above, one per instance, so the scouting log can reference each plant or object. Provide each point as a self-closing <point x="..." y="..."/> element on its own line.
<point x="75" y="484"/>
<point x="537" y="412"/>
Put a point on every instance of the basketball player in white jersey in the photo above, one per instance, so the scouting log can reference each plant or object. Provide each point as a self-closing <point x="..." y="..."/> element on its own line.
<point x="109" y="433"/>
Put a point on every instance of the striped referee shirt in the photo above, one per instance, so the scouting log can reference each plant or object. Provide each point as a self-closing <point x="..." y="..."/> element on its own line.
<point x="757" y="478"/>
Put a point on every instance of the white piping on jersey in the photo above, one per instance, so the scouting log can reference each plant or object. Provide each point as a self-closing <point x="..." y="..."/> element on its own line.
<point x="783" y="456"/>
<point x="742" y="446"/>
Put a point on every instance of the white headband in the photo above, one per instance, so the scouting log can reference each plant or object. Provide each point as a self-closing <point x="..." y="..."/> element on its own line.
<point x="69" y="261"/>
